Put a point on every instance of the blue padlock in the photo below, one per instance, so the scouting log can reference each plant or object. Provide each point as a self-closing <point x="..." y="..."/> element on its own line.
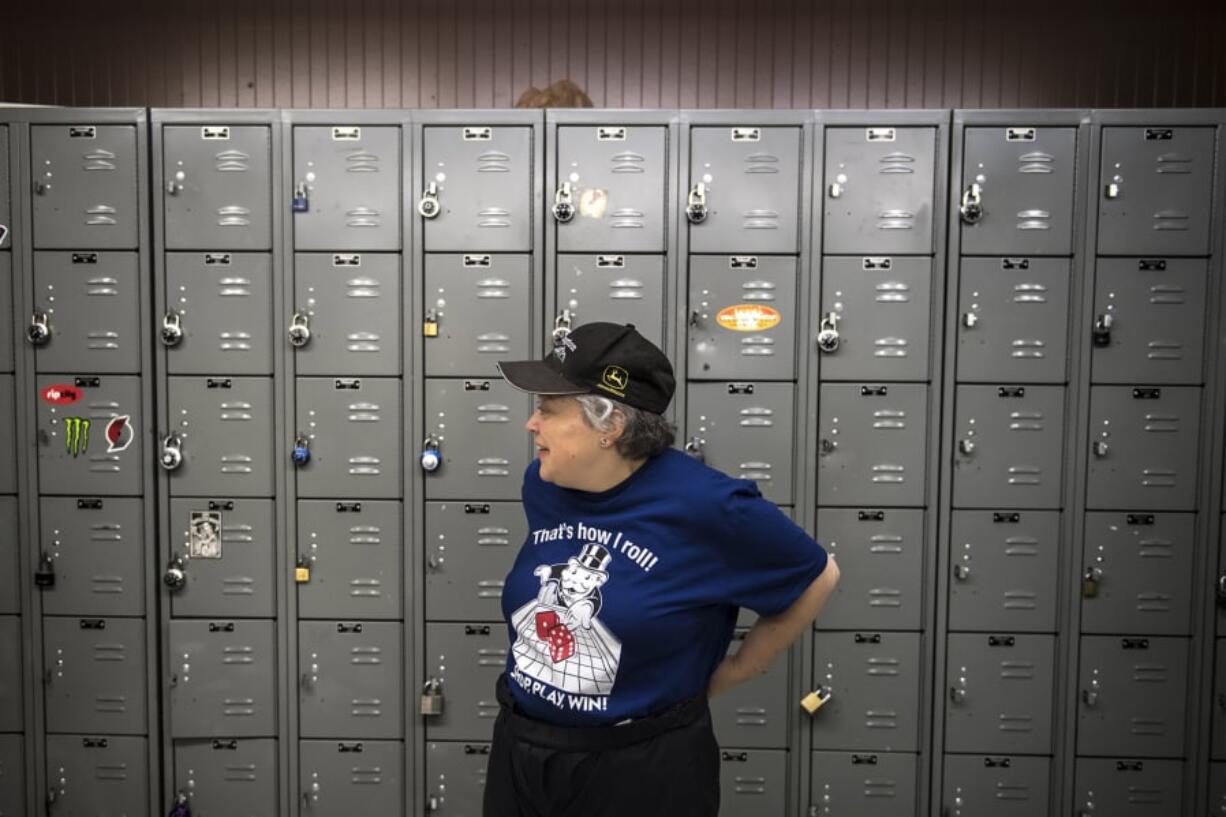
<point x="302" y="450"/>
<point x="181" y="808"/>
<point x="300" y="203"/>
<point x="431" y="459"/>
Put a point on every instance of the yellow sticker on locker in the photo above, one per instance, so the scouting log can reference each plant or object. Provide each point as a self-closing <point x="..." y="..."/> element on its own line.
<point x="748" y="317"/>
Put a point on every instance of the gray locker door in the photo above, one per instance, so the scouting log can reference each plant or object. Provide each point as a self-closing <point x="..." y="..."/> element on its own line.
<point x="745" y="430"/>
<point x="229" y="574"/>
<point x="997" y="786"/>
<point x="1025" y="176"/>
<point x="90" y="440"/>
<point x="350" y="176"/>
<point x="350" y="679"/>
<point x="874" y="681"/>
<point x="97" y="547"/>
<point x="476" y="424"/>
<point x="742" y="318"/>
<point x="754" y="715"/>
<point x="615" y="288"/>
<point x="218" y="187"/>
<point x="1008" y="447"/>
<point x="455" y="778"/>
<point x="880" y="309"/>
<point x="1219" y="703"/>
<point x="352" y="305"/>
<point x="1142" y="569"/>
<point x="1129" y="787"/>
<point x="344" y="778"/>
<point x="1149" y="320"/>
<point x="354" y="552"/>
<point x="225" y="425"/>
<point x="752" y="182"/>
<point x="752" y="782"/>
<point x="877" y="784"/>
<point x="1132" y="696"/>
<point x="1217" y="788"/>
<point x="482" y="305"/>
<point x="879" y="190"/>
<point x="1143" y="448"/>
<point x="98" y="775"/>
<point x="872" y="447"/>
<point x="12" y="775"/>
<point x="353" y="426"/>
<point x="223" y="302"/>
<point x="222" y="677"/>
<point x="237" y="778"/>
<point x="617" y="177"/>
<point x="1000" y="693"/>
<point x="11" y="703"/>
<point x="881" y="566"/>
<point x="1003" y="567"/>
<point x="92" y="305"/>
<point x="483" y="179"/>
<point x="1013" y="324"/>
<point x="8" y="432"/>
<point x="6" y="285"/>
<point x="94" y="669"/>
<point x="470" y="548"/>
<point x="1155" y="189"/>
<point x="84" y="179"/>
<point x="10" y="550"/>
<point x="6" y="214"/>
<point x="467" y="659"/>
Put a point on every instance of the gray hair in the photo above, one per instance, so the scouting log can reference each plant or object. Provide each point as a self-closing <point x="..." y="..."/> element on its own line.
<point x="644" y="434"/>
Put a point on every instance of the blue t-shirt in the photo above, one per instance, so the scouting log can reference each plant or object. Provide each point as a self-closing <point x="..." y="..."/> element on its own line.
<point x="623" y="602"/>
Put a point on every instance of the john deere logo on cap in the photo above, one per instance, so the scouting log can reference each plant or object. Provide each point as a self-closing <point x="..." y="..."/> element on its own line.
<point x="614" y="380"/>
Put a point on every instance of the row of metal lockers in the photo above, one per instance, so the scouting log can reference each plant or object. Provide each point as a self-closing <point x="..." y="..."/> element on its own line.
<point x="260" y="480"/>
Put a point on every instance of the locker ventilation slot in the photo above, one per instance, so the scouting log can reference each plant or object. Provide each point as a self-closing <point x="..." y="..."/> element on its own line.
<point x="494" y="161"/>
<point x="232" y="161"/>
<point x="892" y="164"/>
<point x="1036" y="162"/>
<point x="363" y="161"/>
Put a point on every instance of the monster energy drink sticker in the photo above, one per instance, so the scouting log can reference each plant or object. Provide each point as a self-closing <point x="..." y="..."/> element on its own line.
<point x="76" y="435"/>
<point x="204" y="540"/>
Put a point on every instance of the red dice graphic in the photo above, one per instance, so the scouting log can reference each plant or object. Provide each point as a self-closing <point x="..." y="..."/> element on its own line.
<point x="561" y="643"/>
<point x="544" y="623"/>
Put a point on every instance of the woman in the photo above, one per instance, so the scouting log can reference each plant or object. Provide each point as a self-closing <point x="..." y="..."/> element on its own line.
<point x="622" y="602"/>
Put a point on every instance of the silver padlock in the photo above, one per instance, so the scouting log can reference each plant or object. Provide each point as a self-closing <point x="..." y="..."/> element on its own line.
<point x="1221" y="589"/>
<point x="39" y="330"/>
<point x="563" y="207"/>
<point x="299" y="330"/>
<point x="172" y="328"/>
<point x="176" y="573"/>
<point x="696" y="204"/>
<point x="828" y="332"/>
<point x="971" y="207"/>
<point x="429" y="206"/>
<point x="693" y="447"/>
<point x="432" y="702"/>
<point x="172" y="451"/>
<point x="561" y="327"/>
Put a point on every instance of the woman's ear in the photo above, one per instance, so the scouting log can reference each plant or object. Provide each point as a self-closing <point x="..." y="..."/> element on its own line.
<point x="619" y="425"/>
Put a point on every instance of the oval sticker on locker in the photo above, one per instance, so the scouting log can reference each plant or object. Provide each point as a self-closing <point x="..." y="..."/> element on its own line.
<point x="748" y="317"/>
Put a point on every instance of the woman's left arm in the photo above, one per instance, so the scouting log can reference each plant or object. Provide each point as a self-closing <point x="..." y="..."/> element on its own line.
<point x="771" y="635"/>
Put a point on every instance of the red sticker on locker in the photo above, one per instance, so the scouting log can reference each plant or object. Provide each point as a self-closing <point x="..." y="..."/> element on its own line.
<point x="61" y="394"/>
<point x="748" y="318"/>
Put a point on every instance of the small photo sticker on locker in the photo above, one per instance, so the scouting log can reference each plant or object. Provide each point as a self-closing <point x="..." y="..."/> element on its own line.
<point x="204" y="540"/>
<point x="748" y="318"/>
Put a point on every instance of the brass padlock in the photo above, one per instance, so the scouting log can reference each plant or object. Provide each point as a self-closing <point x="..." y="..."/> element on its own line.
<point x="1089" y="582"/>
<point x="816" y="700"/>
<point x="302" y="571"/>
<point x="429" y="328"/>
<point x="432" y="698"/>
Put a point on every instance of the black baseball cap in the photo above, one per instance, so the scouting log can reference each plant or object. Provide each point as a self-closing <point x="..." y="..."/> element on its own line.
<point x="608" y="359"/>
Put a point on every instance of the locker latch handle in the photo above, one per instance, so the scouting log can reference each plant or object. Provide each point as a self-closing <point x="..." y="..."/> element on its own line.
<point x="828" y="332"/>
<point x="827" y="446"/>
<point x="836" y="190"/>
<point x="962" y="572"/>
<point x="172" y="328"/>
<point x="429" y="206"/>
<point x="1221" y="589"/>
<point x="563" y="206"/>
<point x="42" y="188"/>
<point x="299" y="330"/>
<point x="696" y="204"/>
<point x="175" y="186"/>
<point x="172" y="451"/>
<point x="971" y="207"/>
<point x="1102" y="330"/>
<point x="967" y="446"/>
<point x="970" y="320"/>
<point x="1090" y="696"/>
<point x="431" y="457"/>
<point x="1101" y="449"/>
<point x="1112" y="191"/>
<point x="176" y="573"/>
<point x="39" y="330"/>
<point x="693" y="447"/>
<point x="957" y="694"/>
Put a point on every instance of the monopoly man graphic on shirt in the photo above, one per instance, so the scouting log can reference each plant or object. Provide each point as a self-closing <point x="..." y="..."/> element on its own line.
<point x="560" y="640"/>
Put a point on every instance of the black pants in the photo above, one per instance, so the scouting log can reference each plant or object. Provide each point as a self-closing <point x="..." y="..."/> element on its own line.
<point x="665" y="765"/>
